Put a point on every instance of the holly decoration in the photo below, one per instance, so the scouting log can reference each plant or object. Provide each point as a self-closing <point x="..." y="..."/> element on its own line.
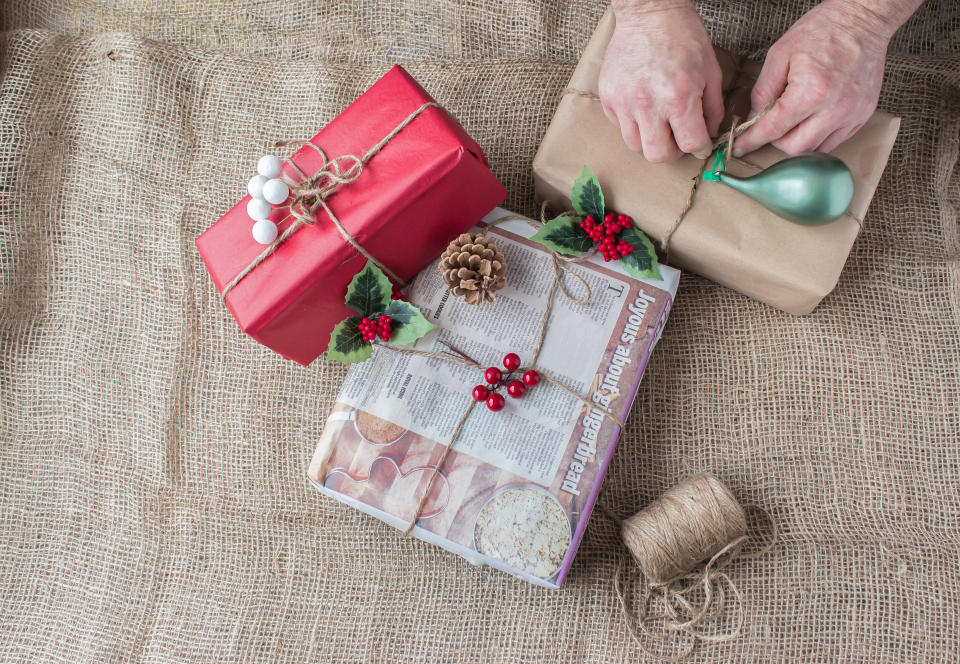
<point x="495" y="379"/>
<point x="612" y="234"/>
<point x="380" y="316"/>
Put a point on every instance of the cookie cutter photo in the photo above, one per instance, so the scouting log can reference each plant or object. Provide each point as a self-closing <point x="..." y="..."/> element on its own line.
<point x="370" y="428"/>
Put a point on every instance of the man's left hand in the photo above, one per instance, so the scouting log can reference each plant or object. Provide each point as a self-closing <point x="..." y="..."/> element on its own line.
<point x="825" y="74"/>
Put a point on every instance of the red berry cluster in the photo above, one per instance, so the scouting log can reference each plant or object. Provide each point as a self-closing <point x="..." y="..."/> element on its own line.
<point x="494" y="378"/>
<point x="397" y="294"/>
<point x="371" y="329"/>
<point x="607" y="235"/>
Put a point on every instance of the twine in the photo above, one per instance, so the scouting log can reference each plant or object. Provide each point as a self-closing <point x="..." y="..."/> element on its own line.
<point x="311" y="192"/>
<point x="559" y="271"/>
<point x="698" y="519"/>
<point x="735" y="130"/>
<point x="687" y="524"/>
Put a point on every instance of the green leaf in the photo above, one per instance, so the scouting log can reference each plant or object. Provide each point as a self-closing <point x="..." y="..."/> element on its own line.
<point x="369" y="291"/>
<point x="642" y="262"/>
<point x="587" y="196"/>
<point x="407" y="323"/>
<point x="347" y="344"/>
<point x="564" y="235"/>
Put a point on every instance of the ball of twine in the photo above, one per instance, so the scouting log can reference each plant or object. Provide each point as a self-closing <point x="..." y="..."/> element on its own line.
<point x="685" y="526"/>
<point x="685" y="600"/>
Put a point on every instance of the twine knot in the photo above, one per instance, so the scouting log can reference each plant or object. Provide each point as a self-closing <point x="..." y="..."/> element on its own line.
<point x="310" y="194"/>
<point x="723" y="145"/>
<point x="310" y="190"/>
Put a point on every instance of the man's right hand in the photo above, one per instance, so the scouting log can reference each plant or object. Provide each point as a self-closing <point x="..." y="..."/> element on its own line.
<point x="660" y="80"/>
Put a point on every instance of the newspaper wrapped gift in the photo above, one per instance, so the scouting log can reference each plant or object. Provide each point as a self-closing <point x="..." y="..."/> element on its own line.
<point x="725" y="236"/>
<point x="518" y="487"/>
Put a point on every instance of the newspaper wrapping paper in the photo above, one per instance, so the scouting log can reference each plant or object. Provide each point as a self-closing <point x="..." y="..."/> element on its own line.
<point x="153" y="506"/>
<point x="518" y="487"/>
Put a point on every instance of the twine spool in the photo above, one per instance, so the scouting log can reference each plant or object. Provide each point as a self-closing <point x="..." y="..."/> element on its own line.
<point x="682" y="543"/>
<point x="685" y="526"/>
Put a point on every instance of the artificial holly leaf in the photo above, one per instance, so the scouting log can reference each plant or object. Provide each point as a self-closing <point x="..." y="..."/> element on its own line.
<point x="587" y="196"/>
<point x="369" y="291"/>
<point x="406" y="322"/>
<point x="347" y="344"/>
<point x="564" y="235"/>
<point x="642" y="261"/>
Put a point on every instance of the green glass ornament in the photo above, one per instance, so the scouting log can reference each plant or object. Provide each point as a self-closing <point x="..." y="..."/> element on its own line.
<point x="810" y="189"/>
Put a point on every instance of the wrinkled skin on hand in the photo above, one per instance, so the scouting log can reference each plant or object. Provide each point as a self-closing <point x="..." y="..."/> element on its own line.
<point x="825" y="74"/>
<point x="661" y="83"/>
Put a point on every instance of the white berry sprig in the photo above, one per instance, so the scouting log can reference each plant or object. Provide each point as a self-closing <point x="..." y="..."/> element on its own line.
<point x="266" y="189"/>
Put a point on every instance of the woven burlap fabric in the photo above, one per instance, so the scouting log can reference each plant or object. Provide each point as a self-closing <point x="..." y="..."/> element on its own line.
<point x="376" y="31"/>
<point x="153" y="505"/>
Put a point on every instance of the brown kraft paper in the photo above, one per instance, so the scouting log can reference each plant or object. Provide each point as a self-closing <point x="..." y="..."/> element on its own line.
<point x="726" y="236"/>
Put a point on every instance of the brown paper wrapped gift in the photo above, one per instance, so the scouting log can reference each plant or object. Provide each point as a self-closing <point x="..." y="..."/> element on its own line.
<point x="725" y="236"/>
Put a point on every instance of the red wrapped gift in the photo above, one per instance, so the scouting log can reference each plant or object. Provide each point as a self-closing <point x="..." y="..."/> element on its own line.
<point x="426" y="185"/>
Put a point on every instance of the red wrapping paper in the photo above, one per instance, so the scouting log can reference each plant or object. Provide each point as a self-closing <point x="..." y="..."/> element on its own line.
<point x="430" y="183"/>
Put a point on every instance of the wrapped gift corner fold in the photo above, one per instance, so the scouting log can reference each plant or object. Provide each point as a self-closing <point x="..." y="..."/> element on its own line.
<point x="725" y="236"/>
<point x="427" y="185"/>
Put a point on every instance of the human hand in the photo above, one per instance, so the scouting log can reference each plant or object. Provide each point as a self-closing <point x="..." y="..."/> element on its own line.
<point x="660" y="80"/>
<point x="825" y="74"/>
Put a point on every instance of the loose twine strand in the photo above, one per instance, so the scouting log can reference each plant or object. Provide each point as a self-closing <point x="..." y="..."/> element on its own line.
<point x="736" y="129"/>
<point x="698" y="519"/>
<point x="559" y="271"/>
<point x="311" y="193"/>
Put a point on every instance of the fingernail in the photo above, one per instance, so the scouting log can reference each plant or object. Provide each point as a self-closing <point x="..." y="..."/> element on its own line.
<point x="701" y="155"/>
<point x="737" y="152"/>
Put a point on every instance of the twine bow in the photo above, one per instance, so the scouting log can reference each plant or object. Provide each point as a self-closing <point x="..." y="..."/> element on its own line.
<point x="310" y="193"/>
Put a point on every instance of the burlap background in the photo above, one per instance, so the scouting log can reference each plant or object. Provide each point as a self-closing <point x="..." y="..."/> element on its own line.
<point x="153" y="505"/>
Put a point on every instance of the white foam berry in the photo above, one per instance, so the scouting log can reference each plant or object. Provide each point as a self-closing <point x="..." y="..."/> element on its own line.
<point x="264" y="231"/>
<point x="268" y="166"/>
<point x="255" y="186"/>
<point x="258" y="209"/>
<point x="275" y="191"/>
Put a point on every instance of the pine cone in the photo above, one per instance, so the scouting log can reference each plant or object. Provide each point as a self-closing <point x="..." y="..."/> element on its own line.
<point x="473" y="267"/>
